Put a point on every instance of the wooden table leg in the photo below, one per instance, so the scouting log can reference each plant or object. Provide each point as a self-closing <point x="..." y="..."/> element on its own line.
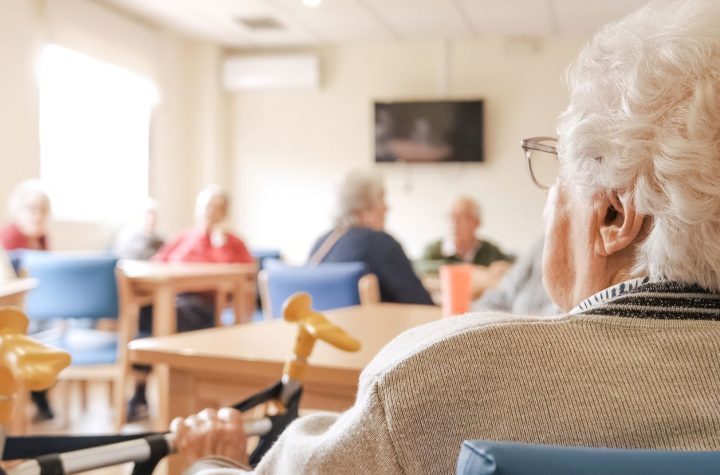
<point x="244" y="299"/>
<point x="164" y="320"/>
<point x="239" y="302"/>
<point x="164" y="323"/>
<point x="180" y="403"/>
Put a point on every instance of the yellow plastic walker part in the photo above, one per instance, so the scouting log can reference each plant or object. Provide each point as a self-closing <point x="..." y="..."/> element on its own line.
<point x="312" y="326"/>
<point x="24" y="362"/>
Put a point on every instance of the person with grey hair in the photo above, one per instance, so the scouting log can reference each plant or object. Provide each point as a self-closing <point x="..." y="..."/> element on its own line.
<point x="462" y="245"/>
<point x="29" y="207"/>
<point x="521" y="290"/>
<point x="631" y="256"/>
<point x="140" y="239"/>
<point x="359" y="236"/>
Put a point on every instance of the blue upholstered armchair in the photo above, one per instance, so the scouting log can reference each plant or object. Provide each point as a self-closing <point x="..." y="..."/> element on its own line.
<point x="331" y="285"/>
<point x="478" y="457"/>
<point x="79" y="289"/>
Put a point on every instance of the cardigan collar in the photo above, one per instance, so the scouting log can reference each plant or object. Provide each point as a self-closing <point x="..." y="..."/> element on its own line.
<point x="645" y="298"/>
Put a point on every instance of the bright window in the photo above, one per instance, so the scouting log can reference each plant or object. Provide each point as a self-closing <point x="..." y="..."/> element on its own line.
<point x="94" y="136"/>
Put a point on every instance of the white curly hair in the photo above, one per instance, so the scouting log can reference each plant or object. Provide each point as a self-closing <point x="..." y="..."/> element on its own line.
<point x="206" y="194"/>
<point x="26" y="193"/>
<point x="644" y="119"/>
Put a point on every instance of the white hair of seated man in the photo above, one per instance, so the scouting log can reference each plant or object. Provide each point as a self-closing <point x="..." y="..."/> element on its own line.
<point x="652" y="129"/>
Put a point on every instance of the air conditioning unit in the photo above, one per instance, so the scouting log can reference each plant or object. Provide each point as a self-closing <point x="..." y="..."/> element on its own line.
<point x="257" y="72"/>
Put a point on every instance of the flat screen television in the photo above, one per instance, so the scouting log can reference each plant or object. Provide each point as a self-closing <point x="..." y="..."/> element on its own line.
<point x="429" y="131"/>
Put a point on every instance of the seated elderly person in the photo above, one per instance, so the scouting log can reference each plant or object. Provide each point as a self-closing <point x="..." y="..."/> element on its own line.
<point x="140" y="239"/>
<point x="631" y="255"/>
<point x="462" y="244"/>
<point x="208" y="241"/>
<point x="359" y="235"/>
<point x="30" y="214"/>
<point x="521" y="290"/>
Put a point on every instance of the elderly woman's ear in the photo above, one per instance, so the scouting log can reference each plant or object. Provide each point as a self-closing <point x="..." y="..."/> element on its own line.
<point x="620" y="226"/>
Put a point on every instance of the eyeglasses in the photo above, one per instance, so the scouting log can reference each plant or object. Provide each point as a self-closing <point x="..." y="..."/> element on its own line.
<point x="542" y="160"/>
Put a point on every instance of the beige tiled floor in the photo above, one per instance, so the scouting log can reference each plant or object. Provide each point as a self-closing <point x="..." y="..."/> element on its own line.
<point x="96" y="419"/>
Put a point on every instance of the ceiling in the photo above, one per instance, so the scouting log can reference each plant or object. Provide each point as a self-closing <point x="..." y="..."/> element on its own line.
<point x="352" y="21"/>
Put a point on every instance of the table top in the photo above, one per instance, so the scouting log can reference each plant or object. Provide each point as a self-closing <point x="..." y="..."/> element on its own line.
<point x="17" y="286"/>
<point x="149" y="271"/>
<point x="267" y="344"/>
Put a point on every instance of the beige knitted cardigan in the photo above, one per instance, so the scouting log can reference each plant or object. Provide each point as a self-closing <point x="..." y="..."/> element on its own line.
<point x="602" y="381"/>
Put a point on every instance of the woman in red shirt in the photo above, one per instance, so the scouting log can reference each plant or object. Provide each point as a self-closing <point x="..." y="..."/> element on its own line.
<point x="30" y="213"/>
<point x="209" y="241"/>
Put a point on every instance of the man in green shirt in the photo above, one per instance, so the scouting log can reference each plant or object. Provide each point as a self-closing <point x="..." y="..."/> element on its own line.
<point x="462" y="246"/>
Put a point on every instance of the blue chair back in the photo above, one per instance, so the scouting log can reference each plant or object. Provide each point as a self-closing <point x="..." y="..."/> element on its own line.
<point x="478" y="457"/>
<point x="71" y="286"/>
<point x="331" y="285"/>
<point x="262" y="255"/>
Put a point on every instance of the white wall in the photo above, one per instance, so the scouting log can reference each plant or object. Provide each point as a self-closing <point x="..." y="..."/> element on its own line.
<point x="18" y="95"/>
<point x="292" y="148"/>
<point x="189" y="138"/>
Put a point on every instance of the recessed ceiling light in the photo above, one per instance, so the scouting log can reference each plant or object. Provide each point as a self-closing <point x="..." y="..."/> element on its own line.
<point x="312" y="3"/>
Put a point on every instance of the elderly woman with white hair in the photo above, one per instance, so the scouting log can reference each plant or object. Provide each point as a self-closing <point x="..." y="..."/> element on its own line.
<point x="359" y="236"/>
<point x="29" y="207"/>
<point x="632" y="257"/>
<point x="208" y="241"/>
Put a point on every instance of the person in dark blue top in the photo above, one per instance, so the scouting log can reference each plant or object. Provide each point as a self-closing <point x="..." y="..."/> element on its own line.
<point x="359" y="236"/>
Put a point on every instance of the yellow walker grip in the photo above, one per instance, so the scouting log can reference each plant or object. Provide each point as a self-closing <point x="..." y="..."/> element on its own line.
<point x="312" y="326"/>
<point x="24" y="362"/>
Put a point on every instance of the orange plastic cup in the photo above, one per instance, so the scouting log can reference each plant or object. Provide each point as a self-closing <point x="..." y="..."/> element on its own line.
<point x="455" y="288"/>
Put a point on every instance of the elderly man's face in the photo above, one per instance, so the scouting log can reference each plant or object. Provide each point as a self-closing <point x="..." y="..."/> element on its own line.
<point x="464" y="224"/>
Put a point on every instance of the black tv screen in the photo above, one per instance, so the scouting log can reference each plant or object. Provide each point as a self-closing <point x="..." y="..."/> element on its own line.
<point x="429" y="131"/>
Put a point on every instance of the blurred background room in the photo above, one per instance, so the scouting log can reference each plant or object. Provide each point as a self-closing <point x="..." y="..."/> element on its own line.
<point x="174" y="165"/>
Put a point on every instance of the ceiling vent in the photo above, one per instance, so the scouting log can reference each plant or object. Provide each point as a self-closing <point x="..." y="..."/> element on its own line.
<point x="260" y="23"/>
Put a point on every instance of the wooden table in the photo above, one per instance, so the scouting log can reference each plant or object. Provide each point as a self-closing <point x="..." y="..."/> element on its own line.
<point x="159" y="283"/>
<point x="12" y="292"/>
<point x="221" y="366"/>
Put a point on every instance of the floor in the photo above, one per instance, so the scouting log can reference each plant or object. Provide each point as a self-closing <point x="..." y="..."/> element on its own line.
<point x="96" y="419"/>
